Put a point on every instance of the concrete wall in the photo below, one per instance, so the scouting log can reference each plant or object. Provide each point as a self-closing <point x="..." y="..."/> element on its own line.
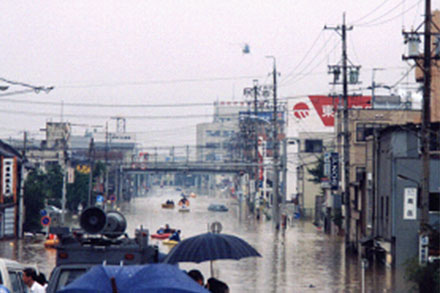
<point x="398" y="155"/>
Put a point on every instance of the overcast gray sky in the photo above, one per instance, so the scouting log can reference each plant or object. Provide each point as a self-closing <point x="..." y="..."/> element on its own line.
<point x="166" y="52"/>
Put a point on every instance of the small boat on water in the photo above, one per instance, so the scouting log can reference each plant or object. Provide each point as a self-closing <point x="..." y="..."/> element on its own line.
<point x="217" y="208"/>
<point x="161" y="236"/>
<point x="170" y="243"/>
<point x="184" y="209"/>
<point x="51" y="242"/>
<point x="169" y="204"/>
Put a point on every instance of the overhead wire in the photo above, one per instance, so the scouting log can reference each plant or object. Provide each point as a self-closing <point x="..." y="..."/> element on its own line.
<point x="373" y="23"/>
<point x="304" y="57"/>
<point x="371" y="12"/>
<point x="103" y="105"/>
<point x="308" y="64"/>
<point x="311" y="70"/>
<point x="140" y="83"/>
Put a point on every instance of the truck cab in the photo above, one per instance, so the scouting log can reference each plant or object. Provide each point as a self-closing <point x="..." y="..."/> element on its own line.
<point x="100" y="241"/>
<point x="11" y="275"/>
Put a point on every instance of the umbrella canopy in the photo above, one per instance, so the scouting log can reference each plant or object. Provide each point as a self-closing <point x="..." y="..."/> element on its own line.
<point x="210" y="246"/>
<point x="148" y="278"/>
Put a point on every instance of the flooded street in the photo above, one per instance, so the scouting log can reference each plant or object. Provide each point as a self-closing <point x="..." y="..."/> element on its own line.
<point x="299" y="259"/>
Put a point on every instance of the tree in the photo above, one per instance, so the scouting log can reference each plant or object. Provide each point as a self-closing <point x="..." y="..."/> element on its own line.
<point x="34" y="197"/>
<point x="53" y="181"/>
<point x="317" y="172"/>
<point x="78" y="191"/>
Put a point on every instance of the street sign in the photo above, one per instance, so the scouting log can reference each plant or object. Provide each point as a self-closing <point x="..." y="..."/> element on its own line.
<point x="45" y="221"/>
<point x="43" y="213"/>
<point x="99" y="199"/>
<point x="112" y="198"/>
<point x="334" y="171"/>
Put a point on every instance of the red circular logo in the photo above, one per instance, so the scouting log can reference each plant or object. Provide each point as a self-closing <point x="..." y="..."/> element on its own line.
<point x="301" y="110"/>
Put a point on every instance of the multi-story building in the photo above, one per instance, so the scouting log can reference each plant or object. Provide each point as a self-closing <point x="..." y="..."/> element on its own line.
<point x="214" y="138"/>
<point x="361" y="124"/>
<point x="393" y="203"/>
<point x="10" y="173"/>
<point x="312" y="145"/>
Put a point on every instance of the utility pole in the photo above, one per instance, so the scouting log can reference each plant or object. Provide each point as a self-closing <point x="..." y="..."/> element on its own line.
<point x="413" y="40"/>
<point x="65" y="167"/>
<point x="426" y="117"/>
<point x="354" y="70"/>
<point x="276" y="181"/>
<point x="106" y="162"/>
<point x="91" y="163"/>
<point x="256" y="175"/>
<point x="23" y="179"/>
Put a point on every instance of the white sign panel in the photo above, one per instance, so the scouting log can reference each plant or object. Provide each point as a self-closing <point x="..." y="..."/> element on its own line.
<point x="410" y="204"/>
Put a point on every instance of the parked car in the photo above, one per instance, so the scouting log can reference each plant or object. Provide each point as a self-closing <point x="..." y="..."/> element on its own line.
<point x="50" y="209"/>
<point x="217" y="207"/>
<point x="11" y="275"/>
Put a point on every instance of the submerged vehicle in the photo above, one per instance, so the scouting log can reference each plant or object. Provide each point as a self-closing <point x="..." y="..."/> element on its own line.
<point x="215" y="207"/>
<point x="102" y="240"/>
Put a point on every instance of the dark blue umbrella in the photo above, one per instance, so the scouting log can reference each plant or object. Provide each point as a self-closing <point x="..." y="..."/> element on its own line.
<point x="148" y="278"/>
<point x="209" y="247"/>
<point x="99" y="279"/>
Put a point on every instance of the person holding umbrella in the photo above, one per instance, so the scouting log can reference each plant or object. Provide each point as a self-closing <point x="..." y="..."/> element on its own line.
<point x="197" y="276"/>
<point x="216" y="286"/>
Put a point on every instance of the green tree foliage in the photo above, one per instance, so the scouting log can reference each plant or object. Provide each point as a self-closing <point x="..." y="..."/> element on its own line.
<point x="99" y="169"/>
<point x="426" y="278"/>
<point x="53" y="183"/>
<point x="317" y="171"/>
<point x="34" y="196"/>
<point x="78" y="191"/>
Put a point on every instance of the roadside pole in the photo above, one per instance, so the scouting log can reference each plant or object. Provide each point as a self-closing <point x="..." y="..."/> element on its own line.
<point x="23" y="179"/>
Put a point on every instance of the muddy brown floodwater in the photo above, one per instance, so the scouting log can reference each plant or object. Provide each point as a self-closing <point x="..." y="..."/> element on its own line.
<point x="299" y="259"/>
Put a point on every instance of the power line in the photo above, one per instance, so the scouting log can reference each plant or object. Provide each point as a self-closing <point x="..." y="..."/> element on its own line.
<point x="141" y="83"/>
<point x="99" y="105"/>
<point x="371" y="12"/>
<point x="372" y="22"/>
<point x="305" y="56"/>
<point x="308" y="64"/>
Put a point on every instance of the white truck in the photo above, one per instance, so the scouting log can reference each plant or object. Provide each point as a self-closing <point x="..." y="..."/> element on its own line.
<point x="11" y="275"/>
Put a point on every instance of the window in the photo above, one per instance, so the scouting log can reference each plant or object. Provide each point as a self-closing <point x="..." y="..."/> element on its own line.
<point x="313" y="145"/>
<point x="434" y="201"/>
<point x="363" y="130"/>
<point x="16" y="281"/>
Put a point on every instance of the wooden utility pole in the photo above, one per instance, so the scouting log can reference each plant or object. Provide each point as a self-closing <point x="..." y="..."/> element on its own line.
<point x="276" y="181"/>
<point x="425" y="64"/>
<point x="426" y="117"/>
<point x="346" y="133"/>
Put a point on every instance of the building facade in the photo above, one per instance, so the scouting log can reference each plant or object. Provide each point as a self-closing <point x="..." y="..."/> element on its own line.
<point x="395" y="203"/>
<point x="362" y="123"/>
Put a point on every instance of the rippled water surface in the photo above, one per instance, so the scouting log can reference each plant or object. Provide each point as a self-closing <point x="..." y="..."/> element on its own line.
<point x="299" y="259"/>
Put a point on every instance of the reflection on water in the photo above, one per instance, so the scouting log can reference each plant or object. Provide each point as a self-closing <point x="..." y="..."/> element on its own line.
<point x="299" y="259"/>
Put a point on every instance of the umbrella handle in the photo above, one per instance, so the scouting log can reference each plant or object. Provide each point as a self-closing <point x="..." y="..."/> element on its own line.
<point x="114" y="287"/>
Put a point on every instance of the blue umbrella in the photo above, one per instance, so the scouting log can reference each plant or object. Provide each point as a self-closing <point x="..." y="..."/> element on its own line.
<point x="210" y="246"/>
<point x="162" y="278"/>
<point x="148" y="278"/>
